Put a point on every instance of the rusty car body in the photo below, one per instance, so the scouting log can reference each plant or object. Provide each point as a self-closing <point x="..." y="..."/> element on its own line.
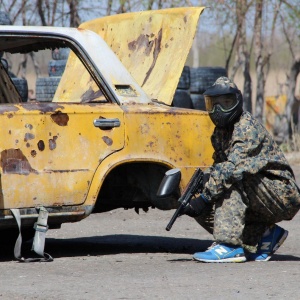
<point x="110" y="132"/>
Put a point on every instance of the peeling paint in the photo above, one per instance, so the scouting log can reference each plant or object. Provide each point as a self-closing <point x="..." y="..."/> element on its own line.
<point x="144" y="128"/>
<point x="43" y="107"/>
<point x="60" y="118"/>
<point x="157" y="48"/>
<point x="13" y="161"/>
<point x="28" y="136"/>
<point x="142" y="42"/>
<point x="90" y="95"/>
<point x="108" y="141"/>
<point x="52" y="143"/>
<point x="66" y="171"/>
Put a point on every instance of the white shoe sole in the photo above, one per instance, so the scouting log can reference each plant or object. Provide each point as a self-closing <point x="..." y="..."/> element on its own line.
<point x="225" y="260"/>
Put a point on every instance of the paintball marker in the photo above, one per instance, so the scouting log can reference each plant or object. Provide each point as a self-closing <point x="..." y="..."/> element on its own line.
<point x="171" y="182"/>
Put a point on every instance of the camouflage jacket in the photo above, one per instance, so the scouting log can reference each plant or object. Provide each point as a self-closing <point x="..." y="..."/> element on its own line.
<point x="243" y="150"/>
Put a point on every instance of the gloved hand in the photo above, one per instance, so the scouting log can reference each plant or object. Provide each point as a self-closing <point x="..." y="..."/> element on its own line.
<point x="196" y="206"/>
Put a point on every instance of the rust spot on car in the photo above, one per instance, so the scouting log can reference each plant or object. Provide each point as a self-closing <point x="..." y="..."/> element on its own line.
<point x="28" y="136"/>
<point x="13" y="161"/>
<point x="144" y="128"/>
<point x="52" y="143"/>
<point x="8" y="108"/>
<point x="90" y="95"/>
<point x="29" y="126"/>
<point x="41" y="145"/>
<point x="108" y="141"/>
<point x="185" y="19"/>
<point x="33" y="153"/>
<point x="66" y="171"/>
<point x="61" y="119"/>
<point x="43" y="107"/>
<point x="157" y="48"/>
<point x="10" y="116"/>
<point x="142" y="42"/>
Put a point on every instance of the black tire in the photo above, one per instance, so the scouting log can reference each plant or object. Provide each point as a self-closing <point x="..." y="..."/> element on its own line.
<point x="184" y="80"/>
<point x="22" y="87"/>
<point x="46" y="88"/>
<point x="4" y="18"/>
<point x="204" y="77"/>
<point x="198" y="101"/>
<point x="60" y="53"/>
<point x="182" y="99"/>
<point x="56" y="67"/>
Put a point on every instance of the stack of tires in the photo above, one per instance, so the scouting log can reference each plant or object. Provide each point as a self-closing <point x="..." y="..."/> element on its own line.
<point x="201" y="79"/>
<point x="20" y="83"/>
<point x="182" y="96"/>
<point x="46" y="86"/>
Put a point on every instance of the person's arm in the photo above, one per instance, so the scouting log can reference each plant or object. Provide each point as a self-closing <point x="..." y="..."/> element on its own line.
<point x="246" y="140"/>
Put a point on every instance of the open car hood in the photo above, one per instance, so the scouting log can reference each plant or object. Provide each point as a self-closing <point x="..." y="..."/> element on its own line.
<point x="152" y="45"/>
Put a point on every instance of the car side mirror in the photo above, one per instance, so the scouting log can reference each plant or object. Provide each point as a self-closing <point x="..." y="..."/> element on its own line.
<point x="169" y="183"/>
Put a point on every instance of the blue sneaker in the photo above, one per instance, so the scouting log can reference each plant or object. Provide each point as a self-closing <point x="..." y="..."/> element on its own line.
<point x="269" y="244"/>
<point x="221" y="253"/>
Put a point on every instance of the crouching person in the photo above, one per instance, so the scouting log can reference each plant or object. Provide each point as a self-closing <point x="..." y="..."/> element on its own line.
<point x="251" y="186"/>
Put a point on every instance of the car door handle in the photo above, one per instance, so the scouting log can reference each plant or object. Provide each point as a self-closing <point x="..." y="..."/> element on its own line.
<point x="107" y="123"/>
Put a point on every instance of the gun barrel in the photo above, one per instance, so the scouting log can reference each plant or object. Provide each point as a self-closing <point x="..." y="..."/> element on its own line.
<point x="175" y="216"/>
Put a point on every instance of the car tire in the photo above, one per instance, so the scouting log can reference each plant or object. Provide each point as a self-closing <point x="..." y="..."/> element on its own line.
<point x="22" y="87"/>
<point x="182" y="99"/>
<point x="184" y="80"/>
<point x="204" y="77"/>
<point x="56" y="67"/>
<point x="60" y="53"/>
<point x="198" y="101"/>
<point x="46" y="88"/>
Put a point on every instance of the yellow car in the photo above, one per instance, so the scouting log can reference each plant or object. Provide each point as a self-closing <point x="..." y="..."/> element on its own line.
<point x="98" y="130"/>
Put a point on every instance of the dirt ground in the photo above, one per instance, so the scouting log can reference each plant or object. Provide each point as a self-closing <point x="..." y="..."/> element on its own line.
<point x="123" y="255"/>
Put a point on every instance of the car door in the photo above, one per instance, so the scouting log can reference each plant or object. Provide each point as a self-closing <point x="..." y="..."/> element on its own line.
<point x="49" y="152"/>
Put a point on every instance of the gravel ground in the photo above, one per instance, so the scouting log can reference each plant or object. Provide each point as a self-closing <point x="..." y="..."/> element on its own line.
<point x="123" y="255"/>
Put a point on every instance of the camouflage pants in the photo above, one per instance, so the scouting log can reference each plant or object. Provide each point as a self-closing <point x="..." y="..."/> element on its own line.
<point x="244" y="212"/>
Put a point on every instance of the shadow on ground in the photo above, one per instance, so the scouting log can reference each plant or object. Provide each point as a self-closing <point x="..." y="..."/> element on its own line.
<point x="117" y="244"/>
<point x="110" y="245"/>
